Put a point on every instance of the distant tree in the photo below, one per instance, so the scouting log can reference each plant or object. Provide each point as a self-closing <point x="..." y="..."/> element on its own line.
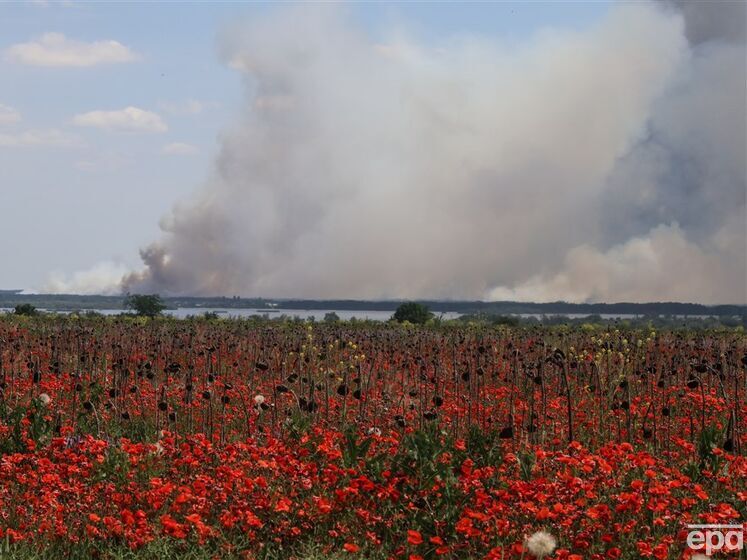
<point x="147" y="305"/>
<point x="331" y="317"/>
<point x="25" y="309"/>
<point x="412" y="312"/>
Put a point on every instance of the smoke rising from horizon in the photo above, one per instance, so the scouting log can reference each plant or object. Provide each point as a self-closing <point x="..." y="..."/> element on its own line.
<point x="598" y="165"/>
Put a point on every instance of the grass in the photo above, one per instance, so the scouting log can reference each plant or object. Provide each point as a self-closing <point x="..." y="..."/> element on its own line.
<point x="167" y="548"/>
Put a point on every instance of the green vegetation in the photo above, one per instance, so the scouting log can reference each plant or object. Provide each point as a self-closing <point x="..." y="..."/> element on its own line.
<point x="145" y="305"/>
<point x="412" y="312"/>
<point x="331" y="317"/>
<point x="166" y="548"/>
<point x="25" y="309"/>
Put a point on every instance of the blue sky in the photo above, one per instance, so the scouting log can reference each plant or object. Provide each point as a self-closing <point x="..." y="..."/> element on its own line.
<point x="73" y="195"/>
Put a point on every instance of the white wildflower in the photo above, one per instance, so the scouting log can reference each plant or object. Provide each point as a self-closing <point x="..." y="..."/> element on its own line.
<point x="541" y="544"/>
<point x="373" y="431"/>
<point x="45" y="399"/>
<point x="259" y="399"/>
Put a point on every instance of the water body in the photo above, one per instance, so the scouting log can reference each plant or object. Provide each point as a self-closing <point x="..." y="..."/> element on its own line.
<point x="318" y="314"/>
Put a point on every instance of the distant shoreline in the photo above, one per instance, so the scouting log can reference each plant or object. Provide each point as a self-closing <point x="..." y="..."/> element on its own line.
<point x="71" y="302"/>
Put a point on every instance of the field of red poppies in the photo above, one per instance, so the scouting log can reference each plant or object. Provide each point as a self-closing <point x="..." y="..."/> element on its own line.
<point x="129" y="438"/>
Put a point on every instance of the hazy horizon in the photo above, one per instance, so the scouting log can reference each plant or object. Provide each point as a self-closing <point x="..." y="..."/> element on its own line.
<point x="268" y="299"/>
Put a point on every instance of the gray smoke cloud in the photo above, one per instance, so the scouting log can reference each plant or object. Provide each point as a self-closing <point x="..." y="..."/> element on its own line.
<point x="708" y="20"/>
<point x="605" y="164"/>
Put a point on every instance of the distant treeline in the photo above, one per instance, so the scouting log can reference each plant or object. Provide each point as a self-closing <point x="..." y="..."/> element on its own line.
<point x="72" y="302"/>
<point x="694" y="322"/>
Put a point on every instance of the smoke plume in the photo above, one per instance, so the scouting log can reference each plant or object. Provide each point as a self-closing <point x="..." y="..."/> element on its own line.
<point x="604" y="164"/>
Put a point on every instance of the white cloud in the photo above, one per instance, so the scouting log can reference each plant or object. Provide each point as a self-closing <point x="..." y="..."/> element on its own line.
<point x="129" y="118"/>
<point x="48" y="3"/>
<point x="43" y="137"/>
<point x="54" y="49"/>
<point x="9" y="115"/>
<point x="180" y="149"/>
<point x="188" y="107"/>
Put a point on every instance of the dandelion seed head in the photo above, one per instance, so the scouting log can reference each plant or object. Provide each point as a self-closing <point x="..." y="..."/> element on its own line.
<point x="541" y="544"/>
